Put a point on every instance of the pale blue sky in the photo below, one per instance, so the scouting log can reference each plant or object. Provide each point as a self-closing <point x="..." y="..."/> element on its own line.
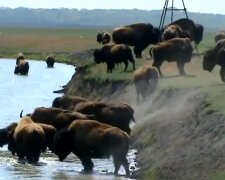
<point x="204" y="6"/>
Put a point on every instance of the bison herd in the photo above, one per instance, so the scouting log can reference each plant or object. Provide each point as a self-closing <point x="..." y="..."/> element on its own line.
<point x="172" y="43"/>
<point x="89" y="129"/>
<point x="22" y="65"/>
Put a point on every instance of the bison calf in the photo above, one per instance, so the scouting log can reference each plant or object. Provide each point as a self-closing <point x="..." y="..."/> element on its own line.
<point x="177" y="49"/>
<point x="114" y="54"/>
<point x="91" y="139"/>
<point x="145" y="81"/>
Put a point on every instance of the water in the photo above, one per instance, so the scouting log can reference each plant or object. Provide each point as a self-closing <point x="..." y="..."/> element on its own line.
<point x="36" y="90"/>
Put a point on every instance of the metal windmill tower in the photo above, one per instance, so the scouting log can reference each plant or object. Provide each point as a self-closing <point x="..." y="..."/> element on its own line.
<point x="172" y="9"/>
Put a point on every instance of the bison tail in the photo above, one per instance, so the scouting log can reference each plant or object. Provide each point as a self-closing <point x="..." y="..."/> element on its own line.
<point x="151" y="51"/>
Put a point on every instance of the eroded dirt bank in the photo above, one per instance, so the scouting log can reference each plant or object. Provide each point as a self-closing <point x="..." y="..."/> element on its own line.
<point x="177" y="135"/>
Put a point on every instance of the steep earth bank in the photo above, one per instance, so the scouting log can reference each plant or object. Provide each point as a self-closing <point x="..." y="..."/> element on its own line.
<point x="177" y="135"/>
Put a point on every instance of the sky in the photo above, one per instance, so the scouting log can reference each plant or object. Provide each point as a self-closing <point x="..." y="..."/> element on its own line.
<point x="202" y="6"/>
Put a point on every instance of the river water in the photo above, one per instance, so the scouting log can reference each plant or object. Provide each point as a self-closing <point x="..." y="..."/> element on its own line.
<point x="36" y="90"/>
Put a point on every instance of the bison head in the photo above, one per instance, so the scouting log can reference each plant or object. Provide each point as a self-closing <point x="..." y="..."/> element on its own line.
<point x="198" y="33"/>
<point x="209" y="60"/>
<point x="99" y="37"/>
<point x="62" y="144"/>
<point x="97" y="53"/>
<point x="5" y="133"/>
<point x="156" y="32"/>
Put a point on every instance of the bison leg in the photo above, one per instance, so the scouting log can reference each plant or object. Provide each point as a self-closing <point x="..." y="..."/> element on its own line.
<point x="222" y="74"/>
<point x="180" y="66"/>
<point x="88" y="164"/>
<point x="126" y="166"/>
<point x="117" y="164"/>
<point x="126" y="65"/>
<point x="137" y="52"/>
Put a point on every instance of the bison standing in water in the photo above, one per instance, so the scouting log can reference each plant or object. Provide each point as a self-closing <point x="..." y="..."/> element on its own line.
<point x="50" y="60"/>
<point x="139" y="35"/>
<point x="215" y="56"/>
<point x="145" y="81"/>
<point x="91" y="139"/>
<point x="22" y="66"/>
<point x="28" y="140"/>
<point x="103" y="38"/>
<point x="114" y="54"/>
<point x="177" y="50"/>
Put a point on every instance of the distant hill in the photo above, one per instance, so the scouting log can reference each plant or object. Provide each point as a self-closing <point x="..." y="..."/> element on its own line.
<point x="97" y="18"/>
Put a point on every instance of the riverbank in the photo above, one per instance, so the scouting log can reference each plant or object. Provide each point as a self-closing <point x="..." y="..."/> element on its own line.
<point x="180" y="128"/>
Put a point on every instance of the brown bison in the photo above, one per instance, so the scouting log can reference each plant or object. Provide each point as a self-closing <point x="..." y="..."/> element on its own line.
<point x="139" y="35"/>
<point x="114" y="54"/>
<point x="56" y="117"/>
<point x="50" y="60"/>
<point x="5" y="133"/>
<point x="104" y="37"/>
<point x="145" y="81"/>
<point x="92" y="139"/>
<point x="28" y="140"/>
<point x="215" y="56"/>
<point x="184" y="28"/>
<point x="220" y="35"/>
<point x="117" y="114"/>
<point x="67" y="102"/>
<point x="48" y="129"/>
<point x="177" y="49"/>
<point x="22" y="66"/>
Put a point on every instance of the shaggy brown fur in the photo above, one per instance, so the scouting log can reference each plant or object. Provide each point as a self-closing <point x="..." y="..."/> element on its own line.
<point x="104" y="37"/>
<point x="117" y="114"/>
<point x="22" y="67"/>
<point x="177" y="49"/>
<point x="145" y="81"/>
<point x="28" y="140"/>
<point x="114" y="54"/>
<point x="91" y="139"/>
<point x="139" y="35"/>
<point x="56" y="117"/>
<point x="190" y="29"/>
<point x="171" y="31"/>
<point x="220" y="35"/>
<point x="67" y="102"/>
<point x="50" y="60"/>
<point x="215" y="56"/>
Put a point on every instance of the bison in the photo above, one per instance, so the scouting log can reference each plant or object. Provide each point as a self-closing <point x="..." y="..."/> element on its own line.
<point x="138" y="35"/>
<point x="104" y="37"/>
<point x="188" y="29"/>
<point x="22" y="66"/>
<point x="220" y="35"/>
<point x="56" y="117"/>
<point x="177" y="49"/>
<point x="117" y="114"/>
<point x="67" y="102"/>
<point x="5" y="133"/>
<point x="28" y="140"/>
<point x="50" y="60"/>
<point x="215" y="56"/>
<point x="145" y="81"/>
<point x="114" y="54"/>
<point x="92" y="139"/>
<point x="172" y="31"/>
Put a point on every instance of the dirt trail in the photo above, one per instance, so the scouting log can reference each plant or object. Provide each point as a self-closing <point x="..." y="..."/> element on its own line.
<point x="178" y="137"/>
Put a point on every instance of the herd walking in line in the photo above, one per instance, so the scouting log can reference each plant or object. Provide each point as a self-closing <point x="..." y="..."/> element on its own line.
<point x="92" y="129"/>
